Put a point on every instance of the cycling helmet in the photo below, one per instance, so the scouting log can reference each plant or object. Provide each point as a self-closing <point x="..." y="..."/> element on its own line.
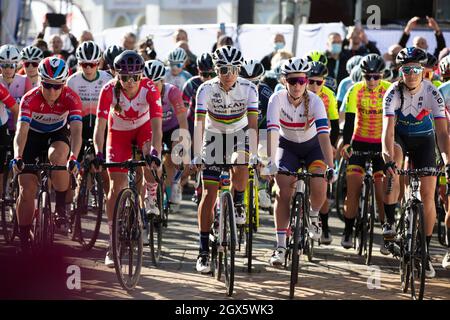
<point x="356" y="74"/>
<point x="129" y="62"/>
<point x="444" y="65"/>
<point x="411" y="54"/>
<point x="32" y="54"/>
<point x="352" y="62"/>
<point x="295" y="65"/>
<point x="54" y="69"/>
<point x="227" y="56"/>
<point x="317" y="56"/>
<point x="318" y="69"/>
<point x="177" y="56"/>
<point x="432" y="61"/>
<point x="88" y="51"/>
<point x="111" y="53"/>
<point x="205" y="62"/>
<point x="372" y="63"/>
<point x="252" y="69"/>
<point x="9" y="54"/>
<point x="154" y="70"/>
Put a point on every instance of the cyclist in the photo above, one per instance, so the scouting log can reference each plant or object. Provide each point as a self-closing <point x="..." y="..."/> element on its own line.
<point x="176" y="74"/>
<point x="253" y="71"/>
<point x="31" y="56"/>
<point x="316" y="84"/>
<point x="174" y="118"/>
<point x="109" y="55"/>
<point x="362" y="132"/>
<point x="428" y="70"/>
<point x="226" y="110"/>
<point x="444" y="67"/>
<point x="298" y="131"/>
<point x="319" y="56"/>
<point x="410" y="106"/>
<point x="347" y="82"/>
<point x="131" y="107"/>
<point x="45" y="113"/>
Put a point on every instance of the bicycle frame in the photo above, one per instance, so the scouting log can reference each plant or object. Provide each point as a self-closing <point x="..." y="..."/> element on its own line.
<point x="224" y="187"/>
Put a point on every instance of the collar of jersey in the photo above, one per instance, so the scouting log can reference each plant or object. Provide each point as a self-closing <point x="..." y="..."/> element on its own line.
<point x="221" y="87"/>
<point x="96" y="77"/>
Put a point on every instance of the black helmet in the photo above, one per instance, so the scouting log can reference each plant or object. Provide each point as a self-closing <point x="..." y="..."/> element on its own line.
<point x="111" y="53"/>
<point x="372" y="63"/>
<point x="129" y="62"/>
<point x="432" y="61"/>
<point x="205" y="62"/>
<point x="411" y="54"/>
<point x="318" y="69"/>
<point x="252" y="69"/>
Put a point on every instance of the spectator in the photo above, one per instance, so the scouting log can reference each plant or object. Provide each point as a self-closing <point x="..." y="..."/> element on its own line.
<point x="41" y="44"/>
<point x="444" y="52"/>
<point x="190" y="64"/>
<point x="390" y="56"/>
<point x="337" y="57"/>
<point x="222" y="41"/>
<point x="280" y="56"/>
<point x="358" y="43"/>
<point x="129" y="41"/>
<point x="58" y="45"/>
<point x="421" y="42"/>
<point x="278" y="44"/>
<point x="86" y="36"/>
<point x="146" y="49"/>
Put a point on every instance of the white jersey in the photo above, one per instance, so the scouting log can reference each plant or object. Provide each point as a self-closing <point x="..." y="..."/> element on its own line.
<point x="89" y="91"/>
<point x="179" y="80"/>
<point x="290" y="121"/>
<point x="226" y="112"/>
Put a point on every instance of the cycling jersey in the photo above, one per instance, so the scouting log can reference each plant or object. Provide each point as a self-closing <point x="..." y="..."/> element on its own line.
<point x="226" y="112"/>
<point x="88" y="91"/>
<point x="368" y="107"/>
<point x="416" y="116"/>
<point x="189" y="91"/>
<point x="264" y="93"/>
<point x="20" y="85"/>
<point x="44" y="118"/>
<point x="178" y="80"/>
<point x="5" y="100"/>
<point x="444" y="90"/>
<point x="343" y="88"/>
<point x="279" y="87"/>
<point x="329" y="100"/>
<point x="134" y="112"/>
<point x="172" y="106"/>
<point x="290" y="121"/>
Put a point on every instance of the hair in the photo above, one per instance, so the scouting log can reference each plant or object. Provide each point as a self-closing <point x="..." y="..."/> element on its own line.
<point x="129" y="34"/>
<point x="280" y="56"/>
<point x="306" y="103"/>
<point x="117" y="88"/>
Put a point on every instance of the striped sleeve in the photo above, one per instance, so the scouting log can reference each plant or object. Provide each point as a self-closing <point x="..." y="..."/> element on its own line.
<point x="75" y="106"/>
<point x="201" y="100"/>
<point x="319" y="113"/>
<point x="26" y="110"/>
<point x="390" y="100"/>
<point x="253" y="100"/>
<point x="273" y="113"/>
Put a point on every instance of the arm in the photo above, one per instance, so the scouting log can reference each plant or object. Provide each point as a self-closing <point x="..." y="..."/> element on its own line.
<point x="334" y="134"/>
<point x="325" y="145"/>
<point x="273" y="127"/>
<point x="387" y="138"/>
<point x="349" y="127"/>
<point x="157" y="134"/>
<point x="15" y="111"/>
<point x="99" y="134"/>
<point x="199" y="122"/>
<point x="252" y="118"/>
<point x="76" y="127"/>
<point x="443" y="138"/>
<point x="20" y="138"/>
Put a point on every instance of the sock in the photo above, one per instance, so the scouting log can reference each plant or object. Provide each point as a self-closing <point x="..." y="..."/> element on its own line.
<point x="349" y="223"/>
<point x="238" y="196"/>
<point x="110" y="233"/>
<point x="60" y="200"/>
<point x="281" y="238"/>
<point x="428" y="243"/>
<point x="389" y="212"/>
<point x="448" y="236"/>
<point x="324" y="219"/>
<point x="314" y="215"/>
<point x="204" y="242"/>
<point x="24" y="235"/>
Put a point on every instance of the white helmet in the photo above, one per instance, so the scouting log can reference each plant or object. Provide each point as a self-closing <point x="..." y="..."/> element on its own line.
<point x="32" y="54"/>
<point x="252" y="69"/>
<point x="154" y="70"/>
<point x="88" y="51"/>
<point x="177" y="56"/>
<point x="444" y="65"/>
<point x="295" y="65"/>
<point x="9" y="54"/>
<point x="228" y="56"/>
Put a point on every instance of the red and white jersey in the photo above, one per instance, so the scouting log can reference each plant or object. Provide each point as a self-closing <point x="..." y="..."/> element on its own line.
<point x="44" y="118"/>
<point x="20" y="85"/>
<point x="5" y="100"/>
<point x="135" y="112"/>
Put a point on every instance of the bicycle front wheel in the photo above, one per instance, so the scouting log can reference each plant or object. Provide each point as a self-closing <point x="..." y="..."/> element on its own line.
<point x="418" y="253"/>
<point x="228" y="241"/>
<point x="8" y="207"/>
<point x="127" y="239"/>
<point x="296" y="225"/>
<point x="251" y="215"/>
<point x="341" y="189"/>
<point x="43" y="224"/>
<point x="155" y="225"/>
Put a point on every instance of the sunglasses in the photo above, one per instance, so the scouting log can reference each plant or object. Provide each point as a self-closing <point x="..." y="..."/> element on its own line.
<point x="299" y="80"/>
<point x="409" y="70"/>
<point x="177" y="65"/>
<point x="126" y="78"/>
<point x="8" y="65"/>
<point x="28" y="63"/>
<point x="229" y="69"/>
<point x="375" y="77"/>
<point x="88" y="64"/>
<point x="318" y="82"/>
<point x="49" y="86"/>
<point x="208" y="74"/>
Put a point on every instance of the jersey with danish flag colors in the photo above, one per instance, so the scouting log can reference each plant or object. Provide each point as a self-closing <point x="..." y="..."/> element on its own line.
<point x="5" y="100"/>
<point x="44" y="118"/>
<point x="416" y="116"/>
<point x="88" y="91"/>
<point x="135" y="112"/>
<point x="290" y="121"/>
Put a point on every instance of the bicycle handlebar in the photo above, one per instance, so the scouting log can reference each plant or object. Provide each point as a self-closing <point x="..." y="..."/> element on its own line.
<point x="126" y="164"/>
<point x="44" y="166"/>
<point x="302" y="175"/>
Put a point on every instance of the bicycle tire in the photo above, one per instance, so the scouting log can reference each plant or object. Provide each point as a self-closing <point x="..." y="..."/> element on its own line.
<point x="308" y="242"/>
<point x="89" y="213"/>
<point x="441" y="229"/>
<point x="418" y="253"/>
<point x="296" y="223"/>
<point x="341" y="189"/>
<point x="404" y="266"/>
<point x="126" y="238"/>
<point x="155" y="225"/>
<point x="229" y="241"/>
<point x="370" y="227"/>
<point x="250" y="226"/>
<point x="8" y="207"/>
<point x="42" y="224"/>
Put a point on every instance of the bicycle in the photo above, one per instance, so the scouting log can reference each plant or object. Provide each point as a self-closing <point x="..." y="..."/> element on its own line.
<point x="298" y="241"/>
<point x="364" y="224"/>
<point x="127" y="244"/>
<point x="341" y="188"/>
<point x="440" y="215"/>
<point x="10" y="228"/>
<point x="86" y="217"/>
<point x="410" y="243"/>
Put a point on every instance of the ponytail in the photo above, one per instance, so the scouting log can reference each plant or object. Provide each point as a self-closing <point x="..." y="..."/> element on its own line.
<point x="117" y="88"/>
<point x="306" y="104"/>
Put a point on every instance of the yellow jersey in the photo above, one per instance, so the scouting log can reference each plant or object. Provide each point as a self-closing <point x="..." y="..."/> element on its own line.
<point x="330" y="102"/>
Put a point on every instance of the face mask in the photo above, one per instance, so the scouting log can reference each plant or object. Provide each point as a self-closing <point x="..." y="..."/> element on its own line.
<point x="336" y="48"/>
<point x="279" y="45"/>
